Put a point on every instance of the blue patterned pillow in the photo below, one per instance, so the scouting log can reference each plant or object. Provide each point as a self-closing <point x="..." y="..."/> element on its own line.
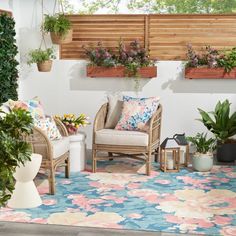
<point x="136" y="113"/>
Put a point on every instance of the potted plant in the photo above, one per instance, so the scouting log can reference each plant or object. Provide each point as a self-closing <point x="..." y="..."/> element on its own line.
<point x="43" y="58"/>
<point x="72" y="123"/>
<point x="132" y="61"/>
<point x="223" y="125"/>
<point x="212" y="64"/>
<point x="59" y="27"/>
<point x="203" y="157"/>
<point x="13" y="149"/>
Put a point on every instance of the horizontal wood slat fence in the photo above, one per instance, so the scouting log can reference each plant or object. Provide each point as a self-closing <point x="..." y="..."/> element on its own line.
<point x="165" y="36"/>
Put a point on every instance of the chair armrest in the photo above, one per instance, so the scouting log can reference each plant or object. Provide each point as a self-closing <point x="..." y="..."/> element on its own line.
<point x="155" y="127"/>
<point x="61" y="127"/>
<point x="100" y="118"/>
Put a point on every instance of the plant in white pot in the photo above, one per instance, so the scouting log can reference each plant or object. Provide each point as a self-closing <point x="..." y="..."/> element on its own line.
<point x="203" y="157"/>
<point x="43" y="58"/>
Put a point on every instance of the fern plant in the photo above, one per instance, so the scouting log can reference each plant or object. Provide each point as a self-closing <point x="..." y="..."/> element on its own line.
<point x="57" y="24"/>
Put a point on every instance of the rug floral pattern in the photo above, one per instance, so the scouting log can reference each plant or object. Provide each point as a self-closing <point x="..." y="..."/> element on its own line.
<point x="119" y="196"/>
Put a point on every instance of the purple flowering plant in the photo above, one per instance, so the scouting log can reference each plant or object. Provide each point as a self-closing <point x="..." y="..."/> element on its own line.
<point x="211" y="58"/>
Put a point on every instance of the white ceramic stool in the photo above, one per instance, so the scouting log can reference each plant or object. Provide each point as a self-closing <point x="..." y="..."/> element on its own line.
<point x="26" y="194"/>
<point x="77" y="152"/>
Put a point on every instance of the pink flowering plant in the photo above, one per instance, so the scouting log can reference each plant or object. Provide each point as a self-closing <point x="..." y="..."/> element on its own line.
<point x="212" y="58"/>
<point x="72" y="123"/>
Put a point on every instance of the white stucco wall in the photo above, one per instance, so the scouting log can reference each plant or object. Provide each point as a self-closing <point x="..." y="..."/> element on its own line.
<point x="67" y="90"/>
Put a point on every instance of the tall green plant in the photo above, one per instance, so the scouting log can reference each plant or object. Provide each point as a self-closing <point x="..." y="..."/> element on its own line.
<point x="8" y="62"/>
<point x="13" y="149"/>
<point x="220" y="122"/>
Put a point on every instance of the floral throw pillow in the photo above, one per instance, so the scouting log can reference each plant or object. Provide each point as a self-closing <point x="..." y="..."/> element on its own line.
<point x="136" y="113"/>
<point x="49" y="126"/>
<point x="33" y="105"/>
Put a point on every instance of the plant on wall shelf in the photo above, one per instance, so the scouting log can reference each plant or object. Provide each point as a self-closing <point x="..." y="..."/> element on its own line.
<point x="130" y="61"/>
<point x="13" y="149"/>
<point x="8" y="65"/>
<point x="59" y="27"/>
<point x="212" y="63"/>
<point x="43" y="58"/>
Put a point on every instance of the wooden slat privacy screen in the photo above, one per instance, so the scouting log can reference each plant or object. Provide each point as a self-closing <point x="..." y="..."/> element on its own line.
<point x="166" y="36"/>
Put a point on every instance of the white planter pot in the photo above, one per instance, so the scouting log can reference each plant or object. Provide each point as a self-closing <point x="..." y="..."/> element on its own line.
<point x="202" y="162"/>
<point x="25" y="194"/>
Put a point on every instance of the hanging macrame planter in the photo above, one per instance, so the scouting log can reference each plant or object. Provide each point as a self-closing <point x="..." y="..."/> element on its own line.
<point x="58" y="25"/>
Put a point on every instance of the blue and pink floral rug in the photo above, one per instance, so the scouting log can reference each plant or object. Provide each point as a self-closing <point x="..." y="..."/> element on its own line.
<point x="119" y="196"/>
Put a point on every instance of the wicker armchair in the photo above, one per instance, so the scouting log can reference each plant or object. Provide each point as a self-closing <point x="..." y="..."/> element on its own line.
<point x="133" y="144"/>
<point x="55" y="153"/>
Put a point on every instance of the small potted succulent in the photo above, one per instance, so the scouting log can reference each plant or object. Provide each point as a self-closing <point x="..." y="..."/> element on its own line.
<point x="212" y="64"/>
<point x="43" y="58"/>
<point x="72" y="123"/>
<point x="59" y="27"/>
<point x="223" y="125"/>
<point x="203" y="157"/>
<point x="13" y="149"/>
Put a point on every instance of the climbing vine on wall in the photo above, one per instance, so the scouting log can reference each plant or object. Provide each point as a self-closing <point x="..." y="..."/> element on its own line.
<point x="8" y="62"/>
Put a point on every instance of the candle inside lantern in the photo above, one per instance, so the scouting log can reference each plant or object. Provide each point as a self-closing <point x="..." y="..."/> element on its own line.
<point x="170" y="164"/>
<point x="182" y="157"/>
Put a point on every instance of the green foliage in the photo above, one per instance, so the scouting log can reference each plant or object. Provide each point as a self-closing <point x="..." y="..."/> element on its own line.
<point x="220" y="122"/>
<point x="57" y="23"/>
<point x="202" y="144"/>
<point x="8" y="65"/>
<point x="156" y="6"/>
<point x="13" y="149"/>
<point x="39" y="55"/>
<point x="228" y="60"/>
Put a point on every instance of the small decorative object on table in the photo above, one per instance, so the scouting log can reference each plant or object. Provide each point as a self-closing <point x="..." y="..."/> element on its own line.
<point x="73" y="123"/>
<point x="184" y="154"/>
<point x="169" y="163"/>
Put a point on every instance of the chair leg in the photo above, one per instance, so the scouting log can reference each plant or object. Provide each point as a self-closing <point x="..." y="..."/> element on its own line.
<point x="67" y="167"/>
<point x="94" y="161"/>
<point x="148" y="163"/>
<point x="52" y="181"/>
<point x="156" y="154"/>
<point x="110" y="155"/>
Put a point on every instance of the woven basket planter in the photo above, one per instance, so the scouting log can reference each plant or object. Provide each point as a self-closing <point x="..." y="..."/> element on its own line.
<point x="119" y="72"/>
<point x="57" y="39"/>
<point x="45" y="66"/>
<point x="209" y="73"/>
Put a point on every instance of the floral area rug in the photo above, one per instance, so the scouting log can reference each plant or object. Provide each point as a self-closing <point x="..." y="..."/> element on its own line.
<point x="120" y="196"/>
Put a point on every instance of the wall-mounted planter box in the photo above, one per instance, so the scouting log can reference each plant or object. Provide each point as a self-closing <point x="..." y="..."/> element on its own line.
<point x="119" y="71"/>
<point x="209" y="73"/>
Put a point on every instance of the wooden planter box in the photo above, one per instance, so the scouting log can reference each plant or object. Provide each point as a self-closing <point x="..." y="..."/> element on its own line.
<point x="119" y="71"/>
<point x="209" y="73"/>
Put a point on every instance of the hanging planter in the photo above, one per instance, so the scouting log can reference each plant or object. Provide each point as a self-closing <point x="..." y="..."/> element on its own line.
<point x="43" y="59"/>
<point x="59" y="28"/>
<point x="119" y="72"/>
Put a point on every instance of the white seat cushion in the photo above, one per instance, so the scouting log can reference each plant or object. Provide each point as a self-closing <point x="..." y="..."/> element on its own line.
<point x="60" y="147"/>
<point x="121" y="137"/>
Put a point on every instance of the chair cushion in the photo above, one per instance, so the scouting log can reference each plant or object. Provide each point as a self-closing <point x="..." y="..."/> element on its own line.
<point x="114" y="111"/>
<point x="60" y="147"/>
<point x="121" y="137"/>
<point x="136" y="113"/>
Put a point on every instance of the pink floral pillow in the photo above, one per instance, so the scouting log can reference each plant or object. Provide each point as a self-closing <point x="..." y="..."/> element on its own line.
<point x="136" y="113"/>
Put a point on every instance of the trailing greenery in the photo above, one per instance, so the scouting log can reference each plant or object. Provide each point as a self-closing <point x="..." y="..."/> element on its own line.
<point x="57" y="24"/>
<point x="220" y="122"/>
<point x="13" y="149"/>
<point x="8" y="65"/>
<point x="228" y="61"/>
<point x="39" y="55"/>
<point x="202" y="143"/>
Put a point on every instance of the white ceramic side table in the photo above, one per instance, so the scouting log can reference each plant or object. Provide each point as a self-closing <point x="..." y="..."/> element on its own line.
<point x="77" y="152"/>
<point x="25" y="194"/>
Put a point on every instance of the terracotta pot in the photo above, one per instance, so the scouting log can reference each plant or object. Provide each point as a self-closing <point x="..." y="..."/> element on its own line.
<point x="57" y="39"/>
<point x="119" y="71"/>
<point x="209" y="73"/>
<point x="45" y="66"/>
